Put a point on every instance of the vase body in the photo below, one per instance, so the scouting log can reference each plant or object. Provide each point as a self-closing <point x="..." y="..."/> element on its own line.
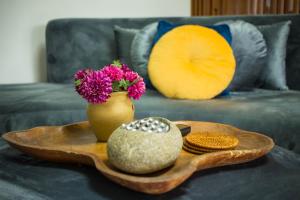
<point x="104" y="118"/>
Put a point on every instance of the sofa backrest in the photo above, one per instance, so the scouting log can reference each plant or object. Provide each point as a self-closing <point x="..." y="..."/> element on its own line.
<point x="73" y="43"/>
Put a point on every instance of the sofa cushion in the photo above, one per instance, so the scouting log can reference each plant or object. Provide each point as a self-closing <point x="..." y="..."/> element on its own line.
<point x="191" y="62"/>
<point x="165" y="26"/>
<point x="124" y="37"/>
<point x="274" y="113"/>
<point x="134" y="47"/>
<point x="145" y="39"/>
<point x="140" y="50"/>
<point x="250" y="51"/>
<point x="274" y="73"/>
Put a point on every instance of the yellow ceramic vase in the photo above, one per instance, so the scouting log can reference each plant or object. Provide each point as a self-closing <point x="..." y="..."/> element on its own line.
<point x="104" y="118"/>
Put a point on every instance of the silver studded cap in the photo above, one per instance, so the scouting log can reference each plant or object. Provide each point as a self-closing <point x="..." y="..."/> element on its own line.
<point x="149" y="125"/>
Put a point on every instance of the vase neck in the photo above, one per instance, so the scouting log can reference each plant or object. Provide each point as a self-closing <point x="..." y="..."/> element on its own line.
<point x="114" y="97"/>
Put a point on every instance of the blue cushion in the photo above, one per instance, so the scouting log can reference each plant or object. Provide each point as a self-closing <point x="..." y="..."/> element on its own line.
<point x="164" y="27"/>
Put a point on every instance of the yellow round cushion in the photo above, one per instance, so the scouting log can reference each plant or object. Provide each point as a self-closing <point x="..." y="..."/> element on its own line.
<point x="191" y="62"/>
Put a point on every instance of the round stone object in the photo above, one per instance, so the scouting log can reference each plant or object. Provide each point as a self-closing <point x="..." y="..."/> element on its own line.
<point x="141" y="152"/>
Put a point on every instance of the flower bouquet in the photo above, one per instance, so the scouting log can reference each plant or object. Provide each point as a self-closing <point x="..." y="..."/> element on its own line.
<point x="96" y="86"/>
<point x="108" y="92"/>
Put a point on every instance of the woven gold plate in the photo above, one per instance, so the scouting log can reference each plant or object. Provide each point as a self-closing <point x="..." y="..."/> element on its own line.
<point x="76" y="143"/>
<point x="211" y="141"/>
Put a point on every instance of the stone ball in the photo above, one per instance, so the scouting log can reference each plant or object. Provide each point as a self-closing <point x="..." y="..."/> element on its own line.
<point x="139" y="152"/>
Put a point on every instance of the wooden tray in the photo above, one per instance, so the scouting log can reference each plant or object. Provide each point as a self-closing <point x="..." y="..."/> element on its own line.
<point x="77" y="143"/>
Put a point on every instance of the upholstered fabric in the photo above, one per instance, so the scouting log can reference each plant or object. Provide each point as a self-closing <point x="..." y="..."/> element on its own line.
<point x="76" y="43"/>
<point x="140" y="51"/>
<point x="250" y="51"/>
<point x="162" y="28"/>
<point x="30" y="105"/>
<point x="191" y="62"/>
<point x="124" y="37"/>
<point x="134" y="48"/>
<point x="273" y="177"/>
<point x="275" y="113"/>
<point x="274" y="72"/>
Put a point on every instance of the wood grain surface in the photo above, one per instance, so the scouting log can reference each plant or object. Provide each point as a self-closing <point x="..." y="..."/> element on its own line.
<point x="76" y="143"/>
<point x="243" y="7"/>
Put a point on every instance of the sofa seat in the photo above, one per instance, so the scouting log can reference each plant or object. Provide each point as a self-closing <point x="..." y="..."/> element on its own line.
<point x="274" y="176"/>
<point x="274" y="113"/>
<point x="24" y="106"/>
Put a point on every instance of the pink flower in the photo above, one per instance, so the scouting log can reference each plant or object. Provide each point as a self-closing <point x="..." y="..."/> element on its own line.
<point x="96" y="87"/>
<point x="115" y="73"/>
<point x="125" y="68"/>
<point x="81" y="74"/>
<point x="137" y="90"/>
<point x="131" y="76"/>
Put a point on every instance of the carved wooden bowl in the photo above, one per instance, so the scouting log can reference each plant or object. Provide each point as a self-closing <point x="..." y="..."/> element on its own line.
<point x="76" y="143"/>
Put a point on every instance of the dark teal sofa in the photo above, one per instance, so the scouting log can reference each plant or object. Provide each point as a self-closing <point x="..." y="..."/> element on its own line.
<point x="77" y="43"/>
